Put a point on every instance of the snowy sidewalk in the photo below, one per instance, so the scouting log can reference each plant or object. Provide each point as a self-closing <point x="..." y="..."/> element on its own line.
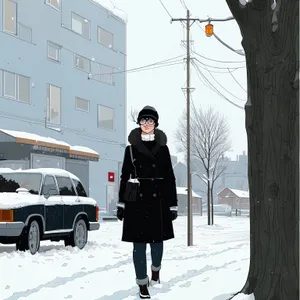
<point x="211" y="270"/>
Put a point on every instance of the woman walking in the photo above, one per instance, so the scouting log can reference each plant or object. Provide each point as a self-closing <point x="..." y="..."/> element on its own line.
<point x="148" y="220"/>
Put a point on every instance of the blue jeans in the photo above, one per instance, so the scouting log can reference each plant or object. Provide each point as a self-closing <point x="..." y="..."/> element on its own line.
<point x="140" y="261"/>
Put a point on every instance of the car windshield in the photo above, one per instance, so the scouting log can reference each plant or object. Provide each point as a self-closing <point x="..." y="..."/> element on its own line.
<point x="10" y="182"/>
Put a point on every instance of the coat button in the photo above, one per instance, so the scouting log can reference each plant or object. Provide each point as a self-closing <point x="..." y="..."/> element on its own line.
<point x="141" y="195"/>
<point x="153" y="165"/>
<point x="154" y="195"/>
<point x="152" y="179"/>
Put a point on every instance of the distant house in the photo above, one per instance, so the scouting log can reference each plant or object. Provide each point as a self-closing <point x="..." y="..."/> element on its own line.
<point x="237" y="199"/>
<point x="182" y="201"/>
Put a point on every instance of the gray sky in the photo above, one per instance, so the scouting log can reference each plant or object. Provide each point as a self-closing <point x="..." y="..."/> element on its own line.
<point x="151" y="38"/>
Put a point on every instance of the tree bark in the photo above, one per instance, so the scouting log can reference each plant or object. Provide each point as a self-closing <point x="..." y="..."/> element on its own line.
<point x="271" y="44"/>
<point x="208" y="203"/>
<point x="212" y="205"/>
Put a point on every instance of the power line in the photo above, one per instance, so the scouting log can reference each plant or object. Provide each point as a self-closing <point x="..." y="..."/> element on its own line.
<point x="165" y="8"/>
<point x="212" y="87"/>
<point x="183" y="4"/>
<point x="244" y="100"/>
<point x="221" y="61"/>
<point x="237" y="81"/>
<point x="169" y="60"/>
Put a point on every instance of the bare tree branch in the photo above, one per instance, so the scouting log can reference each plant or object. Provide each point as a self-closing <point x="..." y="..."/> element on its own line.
<point x="133" y="115"/>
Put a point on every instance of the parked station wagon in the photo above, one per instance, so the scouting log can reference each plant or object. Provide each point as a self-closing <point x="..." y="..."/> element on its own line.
<point x="44" y="204"/>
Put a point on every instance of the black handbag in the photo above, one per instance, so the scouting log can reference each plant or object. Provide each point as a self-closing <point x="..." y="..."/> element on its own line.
<point x="132" y="190"/>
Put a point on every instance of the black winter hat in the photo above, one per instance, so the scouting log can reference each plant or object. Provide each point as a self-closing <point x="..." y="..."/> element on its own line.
<point x="148" y="112"/>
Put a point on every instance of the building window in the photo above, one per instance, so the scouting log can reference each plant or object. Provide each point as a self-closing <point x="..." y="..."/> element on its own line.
<point x="54" y="51"/>
<point x="25" y="33"/>
<point x="82" y="104"/>
<point x="53" y="104"/>
<point x="106" y="117"/>
<point x="10" y="85"/>
<point x="23" y="88"/>
<point x="105" y="38"/>
<point x="82" y="63"/>
<point x="54" y="3"/>
<point x="16" y="87"/>
<point x="106" y="74"/>
<point x="81" y="26"/>
<point x="10" y="16"/>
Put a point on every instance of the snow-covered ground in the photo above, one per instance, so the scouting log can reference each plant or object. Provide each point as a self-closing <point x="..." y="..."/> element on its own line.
<point x="213" y="269"/>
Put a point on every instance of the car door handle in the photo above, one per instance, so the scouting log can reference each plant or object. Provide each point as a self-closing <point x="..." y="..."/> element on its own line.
<point x="77" y="200"/>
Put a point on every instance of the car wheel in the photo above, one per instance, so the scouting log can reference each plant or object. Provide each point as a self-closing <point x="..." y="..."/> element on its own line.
<point x="30" y="239"/>
<point x="79" y="236"/>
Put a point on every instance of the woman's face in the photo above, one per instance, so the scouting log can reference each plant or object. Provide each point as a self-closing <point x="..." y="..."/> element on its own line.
<point x="147" y="125"/>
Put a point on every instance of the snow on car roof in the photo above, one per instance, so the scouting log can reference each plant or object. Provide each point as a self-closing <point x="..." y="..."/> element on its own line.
<point x="44" y="171"/>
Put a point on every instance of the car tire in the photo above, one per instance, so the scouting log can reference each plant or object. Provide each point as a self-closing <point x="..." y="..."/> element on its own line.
<point x="30" y="239"/>
<point x="79" y="236"/>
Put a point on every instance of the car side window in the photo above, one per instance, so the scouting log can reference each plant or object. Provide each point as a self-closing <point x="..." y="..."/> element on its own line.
<point x="65" y="186"/>
<point x="79" y="188"/>
<point x="49" y="186"/>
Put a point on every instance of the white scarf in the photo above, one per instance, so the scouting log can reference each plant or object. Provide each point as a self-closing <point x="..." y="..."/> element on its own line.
<point x="148" y="137"/>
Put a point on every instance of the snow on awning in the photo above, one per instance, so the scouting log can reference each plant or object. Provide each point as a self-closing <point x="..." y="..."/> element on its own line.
<point x="85" y="151"/>
<point x="21" y="137"/>
<point x="34" y="139"/>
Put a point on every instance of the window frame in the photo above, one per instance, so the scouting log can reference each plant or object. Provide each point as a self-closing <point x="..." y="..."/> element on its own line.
<point x="58" y="48"/>
<point x="111" y="74"/>
<point x="15" y="20"/>
<point x="72" y="184"/>
<point x="18" y="88"/>
<point x="98" y="123"/>
<point x="84" y="20"/>
<point x="88" y="102"/>
<point x="48" y="2"/>
<point x="75" y="181"/>
<point x="99" y="29"/>
<point x="80" y="56"/>
<point x="49" y="85"/>
<point x="4" y="86"/>
<point x="43" y="184"/>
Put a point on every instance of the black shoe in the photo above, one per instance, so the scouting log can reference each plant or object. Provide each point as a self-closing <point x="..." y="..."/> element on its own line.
<point x="155" y="278"/>
<point x="144" y="293"/>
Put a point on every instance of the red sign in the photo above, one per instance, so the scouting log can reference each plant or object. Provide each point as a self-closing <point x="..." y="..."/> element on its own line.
<point x="111" y="177"/>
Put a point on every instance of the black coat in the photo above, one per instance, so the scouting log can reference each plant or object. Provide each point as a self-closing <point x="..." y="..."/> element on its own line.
<point x="149" y="220"/>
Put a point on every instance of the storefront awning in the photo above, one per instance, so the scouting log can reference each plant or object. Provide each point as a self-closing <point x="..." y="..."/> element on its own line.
<point x="40" y="142"/>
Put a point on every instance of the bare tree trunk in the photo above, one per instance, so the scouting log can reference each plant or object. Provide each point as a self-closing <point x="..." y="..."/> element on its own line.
<point x="270" y="41"/>
<point x="212" y="205"/>
<point x="208" y="204"/>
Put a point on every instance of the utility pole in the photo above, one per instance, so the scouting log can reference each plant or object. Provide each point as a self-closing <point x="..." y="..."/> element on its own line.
<point x="189" y="22"/>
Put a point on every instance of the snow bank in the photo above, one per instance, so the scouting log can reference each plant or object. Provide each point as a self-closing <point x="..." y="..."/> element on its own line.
<point x="244" y="297"/>
<point x="107" y="4"/>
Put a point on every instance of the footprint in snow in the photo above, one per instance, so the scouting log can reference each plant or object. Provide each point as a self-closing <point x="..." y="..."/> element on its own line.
<point x="68" y="297"/>
<point x="64" y="265"/>
<point x="186" y="284"/>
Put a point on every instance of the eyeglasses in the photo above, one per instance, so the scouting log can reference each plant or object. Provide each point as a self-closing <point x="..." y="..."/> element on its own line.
<point x="147" y="121"/>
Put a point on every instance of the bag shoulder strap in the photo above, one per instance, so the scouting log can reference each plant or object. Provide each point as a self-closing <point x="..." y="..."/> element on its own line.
<point x="132" y="160"/>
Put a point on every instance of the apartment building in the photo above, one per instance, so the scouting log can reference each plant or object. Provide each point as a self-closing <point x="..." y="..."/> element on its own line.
<point x="62" y="75"/>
